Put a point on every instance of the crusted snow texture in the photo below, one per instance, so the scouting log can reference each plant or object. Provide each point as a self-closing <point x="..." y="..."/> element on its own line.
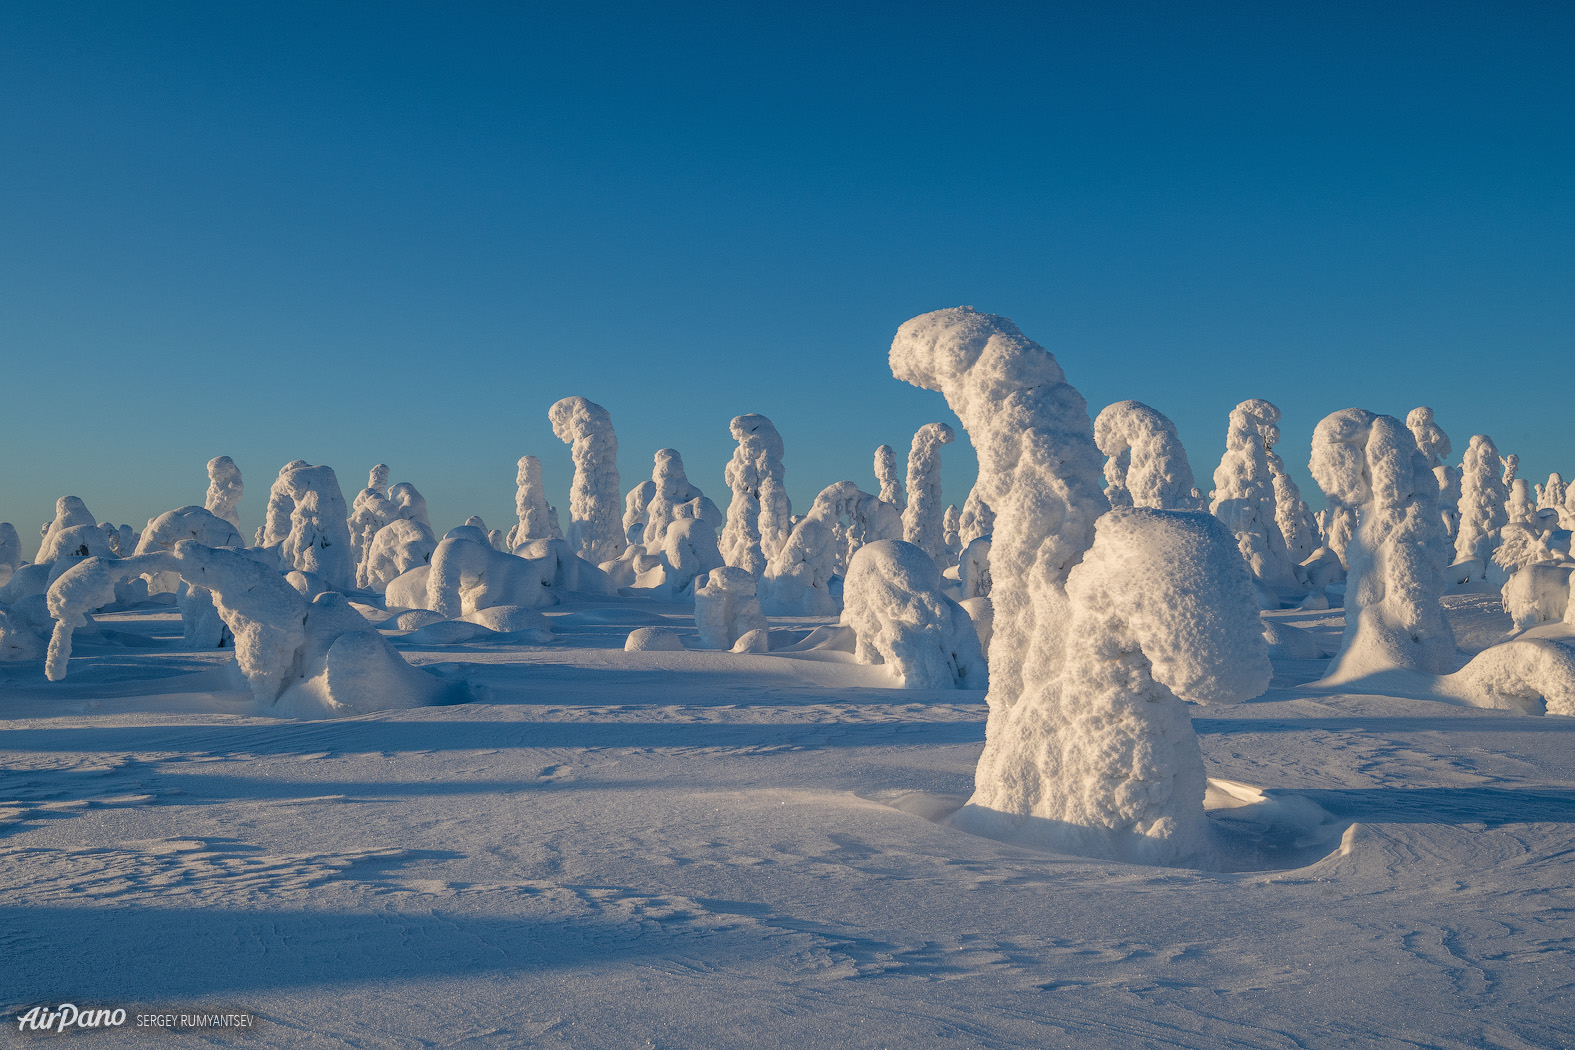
<point x="672" y="497"/>
<point x="759" y="503"/>
<point x="369" y="512"/>
<point x="1393" y="616"/>
<point x="306" y="521"/>
<point x="1536" y="594"/>
<point x="1244" y="492"/>
<point x="1482" y="500"/>
<point x="1521" y="508"/>
<point x="951" y="533"/>
<point x="894" y="602"/>
<point x="409" y="504"/>
<point x="537" y="521"/>
<point x="1292" y="514"/>
<point x="224" y="490"/>
<point x="922" y="523"/>
<point x="398" y="547"/>
<point x="886" y="473"/>
<point x="319" y="657"/>
<point x="1534" y="675"/>
<point x="1145" y="464"/>
<point x="726" y="606"/>
<point x="188" y="523"/>
<point x="1161" y="610"/>
<point x="1511" y="468"/>
<point x="798" y="577"/>
<point x="976" y="518"/>
<point x="70" y="512"/>
<point x="594" y="502"/>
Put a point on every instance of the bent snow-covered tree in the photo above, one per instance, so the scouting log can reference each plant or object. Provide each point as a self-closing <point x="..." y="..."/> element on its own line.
<point x="1244" y="492"/>
<point x="1145" y="464"/>
<point x="595" y="519"/>
<point x="1393" y="616"/>
<point x="1051" y="772"/>
<point x="923" y="521"/>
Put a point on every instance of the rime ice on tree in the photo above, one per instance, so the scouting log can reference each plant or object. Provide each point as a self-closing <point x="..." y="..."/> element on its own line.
<point x="1145" y="464"/>
<point x="594" y="520"/>
<point x="893" y="600"/>
<point x="1482" y="500"/>
<point x="224" y="490"/>
<point x="759" y="517"/>
<point x="537" y="520"/>
<point x="922" y="523"/>
<point x="1393" y="618"/>
<point x="886" y="474"/>
<point x="1244" y="492"/>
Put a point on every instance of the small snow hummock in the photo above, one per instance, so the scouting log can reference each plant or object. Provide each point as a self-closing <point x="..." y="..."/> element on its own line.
<point x="1393" y="616"/>
<point x="1145" y="465"/>
<point x="224" y="490"/>
<point x="886" y="473"/>
<point x="319" y="657"/>
<point x="537" y="520"/>
<point x="1244" y="492"/>
<point x="726" y="606"/>
<point x="922" y="521"/>
<point x="894" y="602"/>
<point x="1103" y="760"/>
<point x="1482" y="501"/>
<point x="595" y="530"/>
<point x="1531" y="675"/>
<point x="759" y="517"/>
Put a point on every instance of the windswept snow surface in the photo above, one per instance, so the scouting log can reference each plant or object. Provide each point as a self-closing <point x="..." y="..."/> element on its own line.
<point x="702" y="849"/>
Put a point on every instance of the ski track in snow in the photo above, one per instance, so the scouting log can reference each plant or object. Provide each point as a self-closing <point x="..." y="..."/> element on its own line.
<point x="649" y="850"/>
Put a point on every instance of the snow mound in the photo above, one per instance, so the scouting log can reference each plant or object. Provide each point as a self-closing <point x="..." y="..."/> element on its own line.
<point x="653" y="640"/>
<point x="1532" y="675"/>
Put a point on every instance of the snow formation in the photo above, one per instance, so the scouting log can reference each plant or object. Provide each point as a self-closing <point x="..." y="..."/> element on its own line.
<point x="537" y="520"/>
<point x="893" y="600"/>
<point x="1393" y="617"/>
<point x="594" y="501"/>
<point x="1145" y="464"/>
<point x="1244" y="492"/>
<point x="886" y="474"/>
<point x="759" y="515"/>
<point x="798" y="577"/>
<point x="726" y="607"/>
<point x="224" y="490"/>
<point x="922" y="521"/>
<point x="1482" y="501"/>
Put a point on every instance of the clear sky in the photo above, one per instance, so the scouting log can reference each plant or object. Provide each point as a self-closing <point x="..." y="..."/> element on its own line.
<point x="360" y="232"/>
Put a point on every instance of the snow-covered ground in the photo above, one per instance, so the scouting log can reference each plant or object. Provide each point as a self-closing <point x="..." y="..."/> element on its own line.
<point x="702" y="849"/>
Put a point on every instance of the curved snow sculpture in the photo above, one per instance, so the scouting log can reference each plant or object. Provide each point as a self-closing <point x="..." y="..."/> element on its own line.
<point x="401" y="545"/>
<point x="922" y="523"/>
<point x="1393" y="617"/>
<point x="886" y="474"/>
<point x="798" y="578"/>
<point x="1244" y="492"/>
<point x="224" y="490"/>
<point x="759" y="515"/>
<point x="587" y="429"/>
<point x="673" y="498"/>
<point x="1146" y="465"/>
<point x="320" y="656"/>
<point x="70" y="512"/>
<point x="1482" y="500"/>
<point x="188" y="523"/>
<point x="1162" y="610"/>
<point x="467" y="574"/>
<point x="537" y="521"/>
<point x="726" y="606"/>
<point x="900" y="616"/>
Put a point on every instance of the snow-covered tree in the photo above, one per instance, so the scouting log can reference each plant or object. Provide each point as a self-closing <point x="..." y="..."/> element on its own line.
<point x="672" y="498"/>
<point x="900" y="616"/>
<point x="1292" y="514"/>
<point x="224" y="490"/>
<point x="1520" y="509"/>
<point x="1550" y="495"/>
<point x="594" y="503"/>
<point x="922" y="523"/>
<point x="1482" y="500"/>
<point x="537" y="520"/>
<point x="1244" y="492"/>
<point x="70" y="513"/>
<point x="1393" y="616"/>
<point x="1145" y="464"/>
<point x="977" y="520"/>
<point x="951" y="533"/>
<point x="398" y="547"/>
<point x="1165" y="610"/>
<point x="798" y="579"/>
<point x="886" y="474"/>
<point x="1511" y="468"/>
<point x="1435" y="446"/>
<point x="759" y="516"/>
<point x="726" y="606"/>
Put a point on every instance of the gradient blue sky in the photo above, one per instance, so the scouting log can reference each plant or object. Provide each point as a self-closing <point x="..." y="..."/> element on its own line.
<point x="361" y="232"/>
